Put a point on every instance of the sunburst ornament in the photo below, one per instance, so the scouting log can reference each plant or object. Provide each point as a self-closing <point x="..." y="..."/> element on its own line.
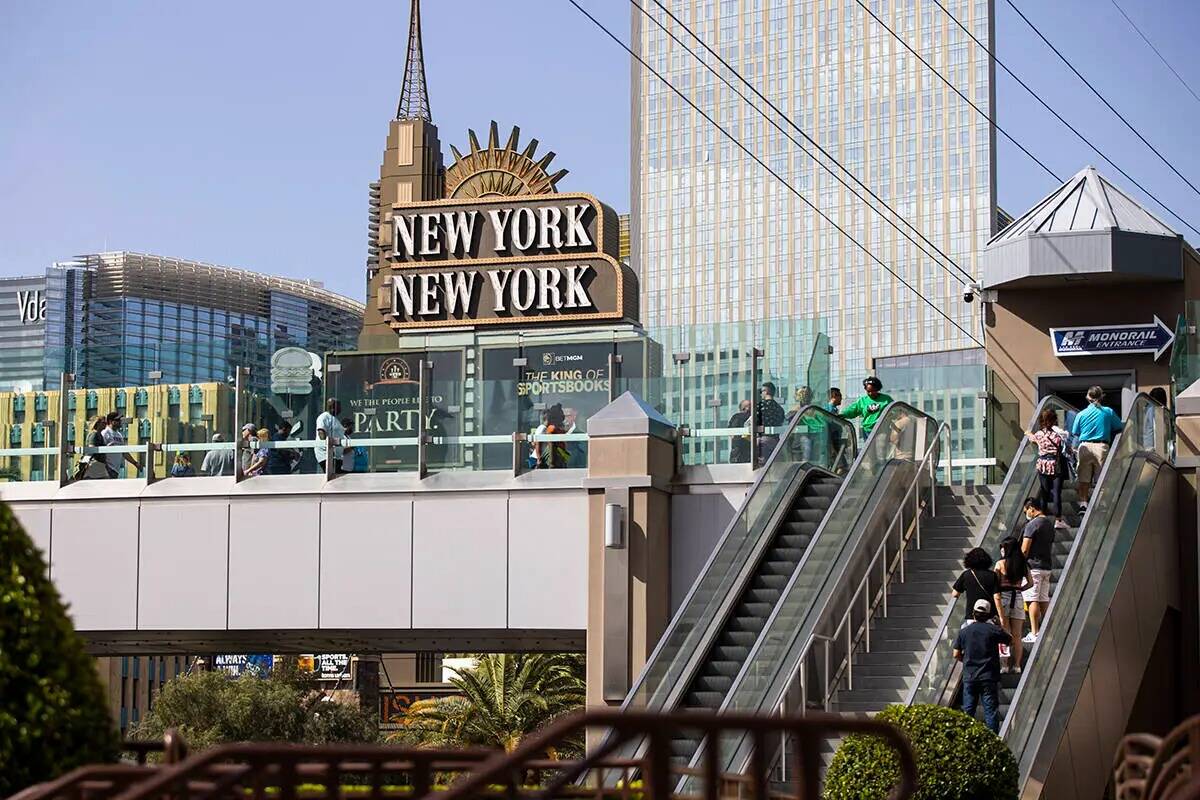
<point x="496" y="171"/>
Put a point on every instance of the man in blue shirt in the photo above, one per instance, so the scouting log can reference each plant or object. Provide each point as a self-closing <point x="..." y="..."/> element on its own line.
<point x="1094" y="429"/>
<point x="978" y="648"/>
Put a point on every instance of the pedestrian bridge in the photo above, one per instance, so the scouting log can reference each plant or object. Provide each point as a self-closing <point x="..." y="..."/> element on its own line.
<point x="480" y="561"/>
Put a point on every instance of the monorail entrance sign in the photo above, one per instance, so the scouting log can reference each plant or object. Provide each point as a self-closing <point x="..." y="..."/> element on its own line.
<point x="519" y="261"/>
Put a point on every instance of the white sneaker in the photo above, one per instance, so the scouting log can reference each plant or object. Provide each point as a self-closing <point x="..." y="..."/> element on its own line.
<point x="1082" y="505"/>
<point x="1005" y="670"/>
<point x="1029" y="638"/>
<point x="1016" y="670"/>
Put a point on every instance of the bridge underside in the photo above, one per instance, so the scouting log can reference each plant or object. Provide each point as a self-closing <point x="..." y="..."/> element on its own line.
<point x="399" y="640"/>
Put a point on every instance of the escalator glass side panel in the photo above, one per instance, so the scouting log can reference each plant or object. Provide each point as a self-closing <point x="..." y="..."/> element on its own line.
<point x="1006" y="519"/>
<point x="813" y="437"/>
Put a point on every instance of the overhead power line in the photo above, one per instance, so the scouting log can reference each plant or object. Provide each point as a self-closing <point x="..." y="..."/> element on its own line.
<point x="1060" y="118"/>
<point x="1103" y="99"/>
<point x="1150" y="44"/>
<point x="957" y="91"/>
<point x="768" y="169"/>
<point x="965" y="277"/>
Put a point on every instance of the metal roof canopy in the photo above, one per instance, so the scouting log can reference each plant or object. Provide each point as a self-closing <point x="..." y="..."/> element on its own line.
<point x="1086" y="230"/>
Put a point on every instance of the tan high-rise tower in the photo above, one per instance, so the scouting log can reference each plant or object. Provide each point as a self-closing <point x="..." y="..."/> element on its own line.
<point x="412" y="171"/>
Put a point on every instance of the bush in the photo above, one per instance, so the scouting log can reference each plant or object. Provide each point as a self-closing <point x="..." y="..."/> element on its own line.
<point x="53" y="714"/>
<point x="957" y="757"/>
<point x="211" y="708"/>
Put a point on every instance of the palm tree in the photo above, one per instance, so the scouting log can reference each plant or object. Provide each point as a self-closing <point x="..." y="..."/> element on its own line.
<point x="503" y="698"/>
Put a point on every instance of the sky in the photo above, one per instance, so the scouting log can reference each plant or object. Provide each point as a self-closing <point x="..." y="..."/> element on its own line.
<point x="245" y="134"/>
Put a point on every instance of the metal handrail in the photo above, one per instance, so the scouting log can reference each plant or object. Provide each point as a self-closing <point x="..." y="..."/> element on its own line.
<point x="871" y="604"/>
<point x="762" y="473"/>
<point x="984" y="528"/>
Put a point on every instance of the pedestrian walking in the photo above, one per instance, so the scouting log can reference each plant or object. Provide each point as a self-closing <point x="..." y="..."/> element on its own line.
<point x="281" y="459"/>
<point x="550" y="455"/>
<point x="809" y="431"/>
<point x="870" y="406"/>
<point x="770" y="415"/>
<point x="977" y="646"/>
<point x="1051" y="442"/>
<point x="833" y="406"/>
<point x="1094" y="429"/>
<point x="739" y="446"/>
<point x="978" y="582"/>
<point x="1013" y="571"/>
<point x="249" y="446"/>
<point x="95" y="466"/>
<point x="113" y="437"/>
<point x="329" y="434"/>
<point x="217" y="462"/>
<point x="1037" y="545"/>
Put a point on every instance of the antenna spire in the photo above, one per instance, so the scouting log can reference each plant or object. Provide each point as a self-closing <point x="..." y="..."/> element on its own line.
<point x="414" y="96"/>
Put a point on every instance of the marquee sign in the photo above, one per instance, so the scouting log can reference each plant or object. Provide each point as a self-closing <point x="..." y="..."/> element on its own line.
<point x="511" y="260"/>
<point x="1101" y="340"/>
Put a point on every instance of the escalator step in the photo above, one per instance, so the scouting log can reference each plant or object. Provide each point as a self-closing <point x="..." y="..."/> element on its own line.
<point x="806" y="515"/>
<point x="760" y="610"/>
<point x="769" y="596"/>
<point x="777" y="582"/>
<point x="798" y="528"/>
<point x="752" y="625"/>
<point x="797" y="540"/>
<point x="826" y="489"/>
<point x="791" y="555"/>
<point x="744" y="639"/>
<point x="722" y="667"/>
<point x="683" y="747"/>
<point x="713" y="683"/>
<point x="783" y="569"/>
<point x="704" y="699"/>
<point x="731" y="653"/>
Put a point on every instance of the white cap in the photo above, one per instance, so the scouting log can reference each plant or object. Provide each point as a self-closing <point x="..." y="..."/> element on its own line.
<point x="983" y="606"/>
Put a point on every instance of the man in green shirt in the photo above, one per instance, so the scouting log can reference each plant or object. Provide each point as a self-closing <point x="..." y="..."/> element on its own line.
<point x="870" y="406"/>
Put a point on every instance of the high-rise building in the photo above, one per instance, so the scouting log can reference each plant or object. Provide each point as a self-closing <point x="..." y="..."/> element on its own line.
<point x="125" y="319"/>
<point x="718" y="239"/>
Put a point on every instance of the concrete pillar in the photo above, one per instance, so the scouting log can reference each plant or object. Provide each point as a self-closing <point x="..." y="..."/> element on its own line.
<point x="631" y="463"/>
<point x="1187" y="460"/>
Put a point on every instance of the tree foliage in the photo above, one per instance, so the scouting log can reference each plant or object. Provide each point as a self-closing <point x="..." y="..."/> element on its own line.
<point x="502" y="699"/>
<point x="211" y="708"/>
<point x="53" y="715"/>
<point x="957" y="757"/>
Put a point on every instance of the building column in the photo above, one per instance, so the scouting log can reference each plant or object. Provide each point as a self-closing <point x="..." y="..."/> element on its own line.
<point x="1187" y="460"/>
<point x="631" y="463"/>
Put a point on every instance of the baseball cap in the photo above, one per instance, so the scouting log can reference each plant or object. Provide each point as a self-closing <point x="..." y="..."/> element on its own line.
<point x="982" y="605"/>
<point x="249" y="426"/>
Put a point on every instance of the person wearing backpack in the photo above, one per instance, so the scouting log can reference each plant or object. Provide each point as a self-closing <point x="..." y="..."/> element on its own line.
<point x="1051" y="442"/>
<point x="92" y="467"/>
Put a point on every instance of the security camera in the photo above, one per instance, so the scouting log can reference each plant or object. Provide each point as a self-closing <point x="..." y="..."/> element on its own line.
<point x="970" y="290"/>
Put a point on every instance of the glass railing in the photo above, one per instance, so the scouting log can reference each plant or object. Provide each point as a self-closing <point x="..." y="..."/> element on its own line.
<point x="902" y="437"/>
<point x="938" y="671"/>
<point x="665" y="675"/>
<point x="1099" y="551"/>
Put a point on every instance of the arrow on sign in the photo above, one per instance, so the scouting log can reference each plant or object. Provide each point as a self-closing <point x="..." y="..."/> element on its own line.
<point x="1103" y="340"/>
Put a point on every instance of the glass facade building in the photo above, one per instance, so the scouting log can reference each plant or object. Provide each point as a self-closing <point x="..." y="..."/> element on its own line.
<point x="118" y="319"/>
<point x="22" y="333"/>
<point x="718" y="239"/>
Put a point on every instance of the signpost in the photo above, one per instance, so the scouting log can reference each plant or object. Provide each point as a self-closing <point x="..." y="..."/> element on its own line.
<point x="1154" y="338"/>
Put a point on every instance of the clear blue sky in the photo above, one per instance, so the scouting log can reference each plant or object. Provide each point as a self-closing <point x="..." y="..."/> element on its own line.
<point x="246" y="133"/>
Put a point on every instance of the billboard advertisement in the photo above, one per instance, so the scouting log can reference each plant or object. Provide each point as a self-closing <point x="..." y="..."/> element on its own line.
<point x="379" y="393"/>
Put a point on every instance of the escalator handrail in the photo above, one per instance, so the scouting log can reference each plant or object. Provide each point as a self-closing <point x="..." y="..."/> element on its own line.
<point x="866" y="448"/>
<point x="978" y="540"/>
<point x="717" y="619"/>
<point x="1084" y="524"/>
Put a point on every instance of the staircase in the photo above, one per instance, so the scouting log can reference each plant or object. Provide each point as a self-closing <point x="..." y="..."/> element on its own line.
<point x="755" y="604"/>
<point x="899" y="641"/>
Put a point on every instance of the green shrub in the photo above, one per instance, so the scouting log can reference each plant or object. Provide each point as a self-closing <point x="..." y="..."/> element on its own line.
<point x="957" y="757"/>
<point x="53" y="714"/>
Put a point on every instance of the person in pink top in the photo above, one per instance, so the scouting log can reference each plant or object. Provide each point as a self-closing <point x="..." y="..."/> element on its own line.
<point x="1051" y="462"/>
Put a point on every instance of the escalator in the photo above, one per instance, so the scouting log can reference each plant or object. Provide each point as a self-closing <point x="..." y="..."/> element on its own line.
<point x="1083" y="673"/>
<point x="786" y="544"/>
<point x="755" y="601"/>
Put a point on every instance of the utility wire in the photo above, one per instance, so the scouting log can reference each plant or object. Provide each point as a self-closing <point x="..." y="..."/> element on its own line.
<point x="967" y="277"/>
<point x="957" y="91"/>
<point x="1161" y="57"/>
<point x="1060" y="118"/>
<point x="772" y="172"/>
<point x="1096" y="92"/>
